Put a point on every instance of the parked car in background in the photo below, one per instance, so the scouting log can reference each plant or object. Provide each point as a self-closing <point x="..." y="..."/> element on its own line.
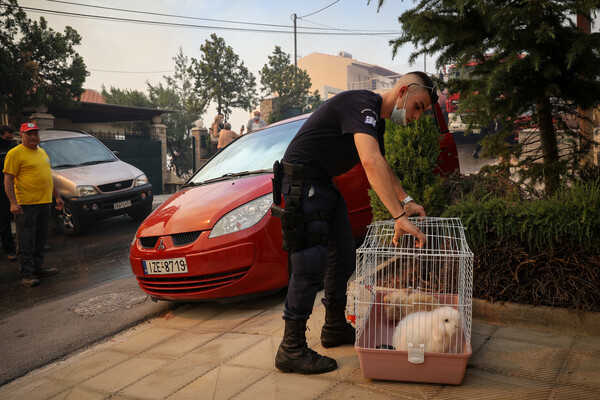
<point x="216" y="238"/>
<point x="92" y="181"/>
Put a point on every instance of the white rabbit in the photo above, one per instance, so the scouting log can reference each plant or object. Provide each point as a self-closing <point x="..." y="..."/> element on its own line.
<point x="438" y="330"/>
<point x="400" y="303"/>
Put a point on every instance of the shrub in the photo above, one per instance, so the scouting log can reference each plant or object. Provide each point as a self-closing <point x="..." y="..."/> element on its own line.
<point x="571" y="215"/>
<point x="543" y="251"/>
<point x="412" y="153"/>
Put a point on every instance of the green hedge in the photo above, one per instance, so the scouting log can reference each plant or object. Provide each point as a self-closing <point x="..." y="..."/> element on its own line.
<point x="572" y="215"/>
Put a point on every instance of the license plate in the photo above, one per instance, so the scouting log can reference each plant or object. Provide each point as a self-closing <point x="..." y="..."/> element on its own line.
<point x="168" y="266"/>
<point x="122" y="204"/>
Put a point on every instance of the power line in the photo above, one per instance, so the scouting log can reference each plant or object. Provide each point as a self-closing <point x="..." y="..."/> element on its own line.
<point x="192" y="26"/>
<point x="130" y="72"/>
<point x="318" y="11"/>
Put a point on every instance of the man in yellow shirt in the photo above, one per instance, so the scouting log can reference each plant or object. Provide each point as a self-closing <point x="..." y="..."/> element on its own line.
<point x="29" y="187"/>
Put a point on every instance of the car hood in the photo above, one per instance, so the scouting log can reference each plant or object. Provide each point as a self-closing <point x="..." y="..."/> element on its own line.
<point x="99" y="174"/>
<point x="199" y="208"/>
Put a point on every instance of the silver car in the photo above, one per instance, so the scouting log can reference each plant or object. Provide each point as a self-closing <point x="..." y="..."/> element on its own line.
<point x="92" y="181"/>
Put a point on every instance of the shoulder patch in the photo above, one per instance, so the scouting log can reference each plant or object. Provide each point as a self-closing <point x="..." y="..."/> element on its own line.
<point x="370" y="117"/>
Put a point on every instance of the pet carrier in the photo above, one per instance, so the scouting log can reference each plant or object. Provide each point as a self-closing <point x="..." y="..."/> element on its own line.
<point x="412" y="305"/>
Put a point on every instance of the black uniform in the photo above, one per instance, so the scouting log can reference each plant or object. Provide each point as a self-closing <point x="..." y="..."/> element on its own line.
<point x="326" y="143"/>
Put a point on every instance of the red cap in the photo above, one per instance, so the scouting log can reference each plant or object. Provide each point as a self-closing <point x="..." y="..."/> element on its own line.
<point x="29" y="126"/>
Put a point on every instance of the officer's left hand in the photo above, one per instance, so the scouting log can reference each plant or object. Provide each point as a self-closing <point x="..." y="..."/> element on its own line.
<point x="59" y="204"/>
<point x="412" y="208"/>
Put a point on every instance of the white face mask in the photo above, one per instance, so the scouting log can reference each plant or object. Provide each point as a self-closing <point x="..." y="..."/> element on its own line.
<point x="399" y="116"/>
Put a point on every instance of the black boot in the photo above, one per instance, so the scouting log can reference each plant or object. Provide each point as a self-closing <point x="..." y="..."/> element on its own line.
<point x="295" y="356"/>
<point x="336" y="330"/>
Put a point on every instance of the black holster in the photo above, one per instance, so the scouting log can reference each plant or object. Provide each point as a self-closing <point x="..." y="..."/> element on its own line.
<point x="293" y="219"/>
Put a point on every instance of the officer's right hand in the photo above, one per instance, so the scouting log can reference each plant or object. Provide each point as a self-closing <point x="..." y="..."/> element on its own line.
<point x="402" y="227"/>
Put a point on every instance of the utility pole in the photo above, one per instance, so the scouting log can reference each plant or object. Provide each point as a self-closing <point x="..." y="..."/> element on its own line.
<point x="294" y="17"/>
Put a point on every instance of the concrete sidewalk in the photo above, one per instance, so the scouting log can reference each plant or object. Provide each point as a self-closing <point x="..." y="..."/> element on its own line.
<point x="226" y="351"/>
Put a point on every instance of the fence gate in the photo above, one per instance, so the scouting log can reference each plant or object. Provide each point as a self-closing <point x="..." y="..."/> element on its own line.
<point x="144" y="154"/>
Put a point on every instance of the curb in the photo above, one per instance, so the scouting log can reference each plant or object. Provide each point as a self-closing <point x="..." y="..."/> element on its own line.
<point x="554" y="318"/>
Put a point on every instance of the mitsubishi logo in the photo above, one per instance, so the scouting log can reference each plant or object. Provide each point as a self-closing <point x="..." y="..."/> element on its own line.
<point x="161" y="245"/>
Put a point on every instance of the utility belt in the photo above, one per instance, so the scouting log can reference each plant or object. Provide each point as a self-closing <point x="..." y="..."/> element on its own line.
<point x="293" y="219"/>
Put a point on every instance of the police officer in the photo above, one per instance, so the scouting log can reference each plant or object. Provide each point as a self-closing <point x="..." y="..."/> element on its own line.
<point x="345" y="130"/>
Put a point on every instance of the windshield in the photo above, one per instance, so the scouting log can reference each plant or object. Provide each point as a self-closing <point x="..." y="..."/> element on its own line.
<point x="252" y="152"/>
<point x="72" y="152"/>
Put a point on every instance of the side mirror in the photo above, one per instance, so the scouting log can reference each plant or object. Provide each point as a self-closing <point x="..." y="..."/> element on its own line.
<point x="116" y="153"/>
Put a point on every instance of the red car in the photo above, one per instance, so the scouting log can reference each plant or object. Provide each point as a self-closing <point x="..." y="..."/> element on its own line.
<point x="216" y="238"/>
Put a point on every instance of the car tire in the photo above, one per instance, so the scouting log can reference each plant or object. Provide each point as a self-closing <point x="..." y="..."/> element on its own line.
<point x="140" y="213"/>
<point x="68" y="221"/>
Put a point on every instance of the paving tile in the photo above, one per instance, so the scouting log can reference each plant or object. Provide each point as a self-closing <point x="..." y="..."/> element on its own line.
<point x="522" y="359"/>
<point x="574" y="392"/>
<point x="583" y="369"/>
<point x="278" y="385"/>
<point x="265" y="323"/>
<point x="123" y="374"/>
<point x="477" y="341"/>
<point x="407" y="389"/>
<point x="587" y="342"/>
<point x="166" y="380"/>
<point x="483" y="327"/>
<point x="87" y="367"/>
<point x="32" y="389"/>
<point x="222" y="382"/>
<point x="189" y="316"/>
<point x="274" y="300"/>
<point x="76" y="393"/>
<point x="227" y="320"/>
<point x="346" y="358"/>
<point x="521" y="334"/>
<point x="261" y="355"/>
<point x="223" y="348"/>
<point x="484" y="385"/>
<point x="144" y="340"/>
<point x="348" y="391"/>
<point x="179" y="345"/>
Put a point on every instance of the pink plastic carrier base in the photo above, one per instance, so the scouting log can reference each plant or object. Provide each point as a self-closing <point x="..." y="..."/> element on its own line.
<point x="393" y="365"/>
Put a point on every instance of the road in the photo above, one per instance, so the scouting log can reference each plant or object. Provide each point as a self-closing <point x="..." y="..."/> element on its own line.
<point x="83" y="262"/>
<point x="94" y="296"/>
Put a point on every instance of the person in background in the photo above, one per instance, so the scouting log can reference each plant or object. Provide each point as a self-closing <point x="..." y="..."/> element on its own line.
<point x="255" y="123"/>
<point x="215" y="130"/>
<point x="226" y="136"/>
<point x="7" y="142"/>
<point x="29" y="187"/>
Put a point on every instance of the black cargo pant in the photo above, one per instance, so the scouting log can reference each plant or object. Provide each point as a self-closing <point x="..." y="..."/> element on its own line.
<point x="331" y="264"/>
<point x="32" y="233"/>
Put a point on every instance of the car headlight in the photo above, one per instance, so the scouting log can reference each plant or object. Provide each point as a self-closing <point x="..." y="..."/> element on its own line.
<point x="243" y="217"/>
<point x="85" y="190"/>
<point x="141" y="180"/>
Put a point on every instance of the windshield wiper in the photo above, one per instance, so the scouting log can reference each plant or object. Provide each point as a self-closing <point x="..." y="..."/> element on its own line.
<point x="234" y="175"/>
<point x="94" y="162"/>
<point x="64" y="166"/>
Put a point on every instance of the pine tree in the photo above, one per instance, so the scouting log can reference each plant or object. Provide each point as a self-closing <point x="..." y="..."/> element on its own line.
<point x="288" y="84"/>
<point x="523" y="58"/>
<point x="221" y="77"/>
